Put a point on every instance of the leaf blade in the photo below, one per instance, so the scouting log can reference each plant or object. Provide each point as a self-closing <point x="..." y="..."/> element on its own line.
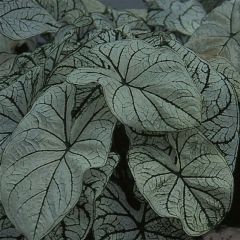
<point x="142" y="93"/>
<point x="46" y="188"/>
<point x="21" y="19"/>
<point x="191" y="181"/>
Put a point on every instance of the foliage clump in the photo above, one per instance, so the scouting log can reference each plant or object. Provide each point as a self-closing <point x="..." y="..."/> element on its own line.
<point x="124" y="124"/>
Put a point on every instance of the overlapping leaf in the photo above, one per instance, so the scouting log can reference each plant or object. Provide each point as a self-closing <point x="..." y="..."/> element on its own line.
<point x="219" y="34"/>
<point x="182" y="113"/>
<point x="116" y="219"/>
<point x="102" y="22"/>
<point x="220" y="113"/>
<point x="224" y="67"/>
<point x="48" y="57"/>
<point x="7" y="230"/>
<point x="184" y="17"/>
<point x="136" y="19"/>
<point x="20" y="19"/>
<point x="192" y="182"/>
<point x="59" y="8"/>
<point x="77" y="18"/>
<point x="15" y="102"/>
<point x="78" y="222"/>
<point x="77" y="55"/>
<point x="145" y="88"/>
<point x="48" y="155"/>
<point x="6" y="63"/>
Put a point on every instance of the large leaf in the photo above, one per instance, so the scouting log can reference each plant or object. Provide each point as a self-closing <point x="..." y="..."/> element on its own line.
<point x="21" y="19"/>
<point x="219" y="34"/>
<point x="78" y="222"/>
<point x="184" y="17"/>
<point x="192" y="182"/>
<point x="145" y="88"/>
<point x="116" y="219"/>
<point x="49" y="152"/>
<point x="220" y="112"/>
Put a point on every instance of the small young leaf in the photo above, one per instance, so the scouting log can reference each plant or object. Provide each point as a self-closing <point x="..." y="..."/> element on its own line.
<point x="192" y="182"/>
<point x="49" y="152"/>
<point x="135" y="19"/>
<point x="21" y="19"/>
<point x="145" y="88"/>
<point x="101" y="21"/>
<point x="77" y="18"/>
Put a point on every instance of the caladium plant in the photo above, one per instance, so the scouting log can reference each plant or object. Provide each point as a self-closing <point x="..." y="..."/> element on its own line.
<point x="116" y="128"/>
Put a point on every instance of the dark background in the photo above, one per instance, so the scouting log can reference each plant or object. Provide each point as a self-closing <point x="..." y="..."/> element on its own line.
<point x="122" y="4"/>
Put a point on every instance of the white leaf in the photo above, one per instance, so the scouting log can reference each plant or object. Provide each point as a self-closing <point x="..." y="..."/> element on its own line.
<point x="49" y="152"/>
<point x="220" y="112"/>
<point x="21" y="19"/>
<point x="145" y="88"/>
<point x="192" y="182"/>
<point x="77" y="224"/>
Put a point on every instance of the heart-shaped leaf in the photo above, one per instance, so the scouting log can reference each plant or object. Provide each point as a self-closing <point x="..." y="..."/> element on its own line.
<point x="145" y="88"/>
<point x="192" y="182"/>
<point x="49" y="152"/>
